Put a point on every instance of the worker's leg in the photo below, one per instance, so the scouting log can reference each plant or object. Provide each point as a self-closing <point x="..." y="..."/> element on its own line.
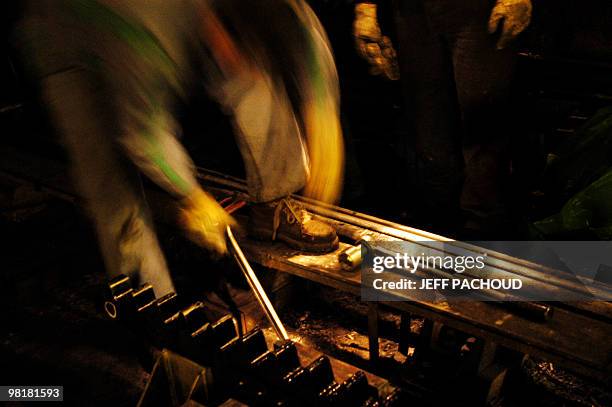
<point x="282" y="95"/>
<point x="109" y="186"/>
<point x="273" y="94"/>
<point x="268" y="136"/>
<point x="427" y="83"/>
<point x="482" y="76"/>
<point x="275" y="160"/>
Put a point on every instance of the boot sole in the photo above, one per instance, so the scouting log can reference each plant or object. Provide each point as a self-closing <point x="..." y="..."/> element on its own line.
<point x="315" y="247"/>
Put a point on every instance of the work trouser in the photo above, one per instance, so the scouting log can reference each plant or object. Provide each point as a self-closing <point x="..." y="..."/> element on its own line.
<point x="456" y="84"/>
<point x="87" y="107"/>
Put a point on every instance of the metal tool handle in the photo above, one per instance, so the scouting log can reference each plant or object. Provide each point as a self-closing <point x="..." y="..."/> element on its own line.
<point x="258" y="290"/>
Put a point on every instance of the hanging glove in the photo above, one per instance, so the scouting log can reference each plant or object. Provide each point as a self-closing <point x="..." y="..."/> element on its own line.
<point x="371" y="45"/>
<point x="514" y="15"/>
<point x="204" y="221"/>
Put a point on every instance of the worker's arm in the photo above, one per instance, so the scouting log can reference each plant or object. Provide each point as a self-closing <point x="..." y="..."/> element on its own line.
<point x="153" y="147"/>
<point x="144" y="80"/>
<point x="149" y="139"/>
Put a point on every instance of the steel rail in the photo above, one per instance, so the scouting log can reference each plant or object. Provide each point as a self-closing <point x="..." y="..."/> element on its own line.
<point x="502" y="262"/>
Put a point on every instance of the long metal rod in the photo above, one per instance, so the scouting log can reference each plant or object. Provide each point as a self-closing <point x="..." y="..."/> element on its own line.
<point x="502" y="262"/>
<point x="258" y="290"/>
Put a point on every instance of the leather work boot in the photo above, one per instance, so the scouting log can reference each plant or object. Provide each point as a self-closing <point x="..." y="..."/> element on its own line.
<point x="287" y="221"/>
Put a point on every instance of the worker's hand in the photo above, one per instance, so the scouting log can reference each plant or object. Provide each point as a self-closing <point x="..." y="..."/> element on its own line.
<point x="371" y="44"/>
<point x="514" y="16"/>
<point x="205" y="221"/>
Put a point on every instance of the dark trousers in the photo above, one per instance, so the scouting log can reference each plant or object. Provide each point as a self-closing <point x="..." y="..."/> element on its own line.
<point x="456" y="85"/>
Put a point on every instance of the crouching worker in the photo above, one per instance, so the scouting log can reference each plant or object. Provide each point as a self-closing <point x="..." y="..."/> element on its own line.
<point x="110" y="72"/>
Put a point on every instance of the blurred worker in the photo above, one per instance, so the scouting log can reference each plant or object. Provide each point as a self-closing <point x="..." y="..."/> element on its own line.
<point x="111" y="72"/>
<point x="455" y="63"/>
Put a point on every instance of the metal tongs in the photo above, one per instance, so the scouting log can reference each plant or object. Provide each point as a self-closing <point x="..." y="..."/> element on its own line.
<point x="253" y="281"/>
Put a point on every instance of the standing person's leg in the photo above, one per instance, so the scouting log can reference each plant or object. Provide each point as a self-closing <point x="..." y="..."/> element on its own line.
<point x="268" y="137"/>
<point x="284" y="114"/>
<point x="283" y="95"/>
<point x="276" y="163"/>
<point x="483" y="76"/>
<point x="110" y="187"/>
<point x="427" y="83"/>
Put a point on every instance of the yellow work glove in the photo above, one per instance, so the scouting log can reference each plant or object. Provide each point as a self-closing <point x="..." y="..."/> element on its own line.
<point x="514" y="15"/>
<point x="204" y="221"/>
<point x="371" y="45"/>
